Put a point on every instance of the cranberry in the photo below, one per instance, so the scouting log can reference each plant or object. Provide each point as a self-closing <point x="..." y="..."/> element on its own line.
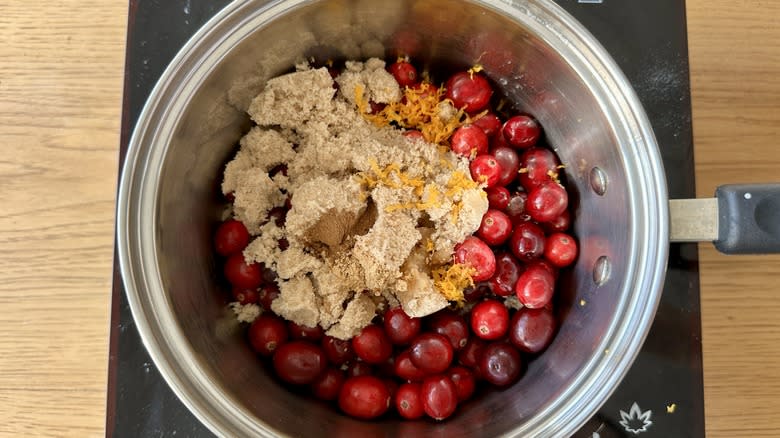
<point x="439" y="397"/>
<point x="469" y="141"/>
<point x="423" y="90"/>
<point x="392" y="387"/>
<point x="400" y="327"/>
<point x="547" y="201"/>
<point x="464" y="381"/>
<point x="452" y="326"/>
<point x="527" y="241"/>
<point x="521" y="131"/>
<point x="372" y="345"/>
<point x="337" y="351"/>
<point x="405" y="368"/>
<point x="559" y="224"/>
<point x="560" y="249"/>
<point x="404" y="73"/>
<point x="496" y="227"/>
<point x="469" y="91"/>
<point x="328" y="385"/>
<point x="267" y="333"/>
<point x="500" y="364"/>
<point x="431" y="352"/>
<point x="358" y="368"/>
<point x="246" y="295"/>
<point x="489" y="319"/>
<point x="476" y="292"/>
<point x="232" y="237"/>
<point x="475" y="253"/>
<point x="298" y="331"/>
<point x="537" y="164"/>
<point x="532" y="330"/>
<point x="509" y="162"/>
<point x="489" y="123"/>
<point x="299" y="362"/>
<point x="279" y="168"/>
<point x="279" y="215"/>
<point x="469" y="355"/>
<point x="508" y="269"/>
<point x="267" y="295"/>
<point x="414" y="135"/>
<point x="485" y="170"/>
<point x="375" y="108"/>
<point x="242" y="275"/>
<point x="408" y="402"/>
<point x="535" y="287"/>
<point x="498" y="197"/>
<point x="269" y="276"/>
<point x="364" y="397"/>
<point x="516" y="208"/>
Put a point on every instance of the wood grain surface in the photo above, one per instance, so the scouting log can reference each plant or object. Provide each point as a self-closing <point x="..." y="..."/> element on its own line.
<point x="61" y="71"/>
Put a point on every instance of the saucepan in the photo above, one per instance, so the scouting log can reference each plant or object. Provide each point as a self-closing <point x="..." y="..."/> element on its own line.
<point x="546" y="64"/>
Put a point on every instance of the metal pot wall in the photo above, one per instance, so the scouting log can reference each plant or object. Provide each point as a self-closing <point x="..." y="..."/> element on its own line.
<point x="539" y="57"/>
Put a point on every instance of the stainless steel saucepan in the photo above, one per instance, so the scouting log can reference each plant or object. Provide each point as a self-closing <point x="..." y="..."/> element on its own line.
<point x="540" y="58"/>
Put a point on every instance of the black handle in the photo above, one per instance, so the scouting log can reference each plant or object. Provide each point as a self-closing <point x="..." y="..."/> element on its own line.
<point x="748" y="218"/>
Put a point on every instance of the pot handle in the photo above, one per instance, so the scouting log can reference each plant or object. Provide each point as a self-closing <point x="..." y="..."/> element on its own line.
<point x="740" y="219"/>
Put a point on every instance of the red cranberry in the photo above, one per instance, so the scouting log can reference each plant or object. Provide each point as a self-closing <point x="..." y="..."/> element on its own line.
<point x="246" y="296"/>
<point x="469" y="141"/>
<point x="267" y="333"/>
<point x="452" y="326"/>
<point x="498" y="197"/>
<point x="500" y="364"/>
<point x="404" y="73"/>
<point x="560" y="249"/>
<point x="476" y="292"/>
<point x="547" y="201"/>
<point x="431" y="352"/>
<point x="475" y="253"/>
<point x="508" y="269"/>
<point x="392" y="387"/>
<point x="464" y="381"/>
<point x="269" y="276"/>
<point x="439" y="397"/>
<point x="489" y="319"/>
<point x="372" y="345"/>
<point x="279" y="215"/>
<point x="516" y="208"/>
<point x="469" y="91"/>
<point x="337" y="351"/>
<point x="328" y="385"/>
<point x="527" y="241"/>
<point x="521" y="131"/>
<point x="423" y="90"/>
<point x="532" y="330"/>
<point x="358" y="368"/>
<point x="400" y="327"/>
<point x="375" y="108"/>
<point x="559" y="224"/>
<point x="242" y="275"/>
<point x="489" y="123"/>
<point x="364" y="397"/>
<point x="496" y="227"/>
<point x="299" y="362"/>
<point x="232" y="237"/>
<point x="535" y="287"/>
<point x="408" y="402"/>
<point x="298" y="331"/>
<point x="485" y="170"/>
<point x="509" y="162"/>
<point x="267" y="295"/>
<point x="405" y="368"/>
<point x="414" y="135"/>
<point x="469" y="355"/>
<point x="537" y="164"/>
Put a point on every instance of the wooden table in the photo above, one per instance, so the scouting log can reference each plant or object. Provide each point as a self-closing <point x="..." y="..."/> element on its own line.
<point x="61" y="72"/>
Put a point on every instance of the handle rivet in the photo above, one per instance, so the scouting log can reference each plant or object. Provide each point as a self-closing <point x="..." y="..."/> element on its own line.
<point x="601" y="270"/>
<point x="598" y="181"/>
<point x="748" y="195"/>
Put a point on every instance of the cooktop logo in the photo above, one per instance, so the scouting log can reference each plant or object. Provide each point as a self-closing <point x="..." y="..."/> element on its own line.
<point x="636" y="421"/>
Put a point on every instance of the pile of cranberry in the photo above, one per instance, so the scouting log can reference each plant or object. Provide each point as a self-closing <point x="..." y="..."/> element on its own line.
<point x="429" y="366"/>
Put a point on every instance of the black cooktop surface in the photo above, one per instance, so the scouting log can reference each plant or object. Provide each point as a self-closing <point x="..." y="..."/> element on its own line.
<point x="661" y="396"/>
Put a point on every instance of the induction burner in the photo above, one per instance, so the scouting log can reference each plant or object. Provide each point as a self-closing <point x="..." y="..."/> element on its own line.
<point x="662" y="394"/>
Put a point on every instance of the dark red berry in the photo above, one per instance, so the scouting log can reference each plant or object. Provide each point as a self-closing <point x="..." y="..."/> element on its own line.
<point x="464" y="382"/>
<point x="439" y="397"/>
<point x="313" y="334"/>
<point x="498" y="197"/>
<point x="546" y="202"/>
<point x="485" y="170"/>
<point x="527" y="241"/>
<point x="469" y="355"/>
<point x="508" y="269"/>
<point x="267" y="333"/>
<point x="242" y="275"/>
<point x="560" y="249"/>
<point x="500" y="364"/>
<point x="539" y="165"/>
<point x="414" y="135"/>
<point x="246" y="296"/>
<point x="392" y="387"/>
<point x="476" y="292"/>
<point x="279" y="215"/>
<point x="279" y="168"/>
<point x="405" y="368"/>
<point x="509" y="162"/>
<point x="489" y="319"/>
<point x="495" y="228"/>
<point x="469" y="141"/>
<point x="489" y="123"/>
<point x="359" y="368"/>
<point x="408" y="402"/>
<point x="475" y="253"/>
<point x="532" y="330"/>
<point x="299" y="362"/>
<point x="404" y="73"/>
<point x="516" y="208"/>
<point x="469" y="91"/>
<point x="232" y="237"/>
<point x="400" y="327"/>
<point x="372" y="345"/>
<point x="452" y="326"/>
<point x="337" y="351"/>
<point x="521" y="131"/>
<point x="559" y="224"/>
<point x="364" y="397"/>
<point x="267" y="295"/>
<point x="431" y="352"/>
<point x="375" y="108"/>
<point x="535" y="287"/>
<point x="328" y="385"/>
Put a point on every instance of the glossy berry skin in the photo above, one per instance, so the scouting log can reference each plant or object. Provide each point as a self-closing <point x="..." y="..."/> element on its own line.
<point x="515" y="209"/>
<point x="521" y="131"/>
<point x="498" y="197"/>
<point x="404" y="73"/>
<point x="267" y="333"/>
<point x="527" y="241"/>
<point x="560" y="249"/>
<point x="489" y="123"/>
<point x="414" y="135"/>
<point x="485" y="170"/>
<point x="495" y="228"/>
<point x="508" y="270"/>
<point x="535" y="287"/>
<point x="470" y="92"/>
<point x="404" y="369"/>
<point x="408" y="402"/>
<point x="299" y="362"/>
<point x="297" y="331"/>
<point x="464" y="381"/>
<point x="469" y="355"/>
<point x="500" y="364"/>
<point x="364" y="397"/>
<point x="509" y="162"/>
<point x="469" y="141"/>
<point x="489" y="320"/>
<point x="246" y="296"/>
<point x="267" y="295"/>
<point x="242" y="275"/>
<point x="546" y="202"/>
<point x="439" y="397"/>
<point x="337" y="351"/>
<point x="372" y="345"/>
<point x="232" y="237"/>
<point x="532" y="330"/>
<point x="328" y="385"/>
<point x="559" y="224"/>
<point x="400" y="327"/>
<point x="359" y="368"/>
<point x="476" y="292"/>
<point x="452" y="326"/>
<point x="537" y="164"/>
<point x="475" y="253"/>
<point x="431" y="353"/>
